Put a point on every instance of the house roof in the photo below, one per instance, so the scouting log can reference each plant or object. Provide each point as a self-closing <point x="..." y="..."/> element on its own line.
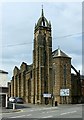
<point x="3" y="72"/>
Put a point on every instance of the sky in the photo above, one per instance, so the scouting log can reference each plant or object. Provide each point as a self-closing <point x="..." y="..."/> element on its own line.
<point x="17" y="21"/>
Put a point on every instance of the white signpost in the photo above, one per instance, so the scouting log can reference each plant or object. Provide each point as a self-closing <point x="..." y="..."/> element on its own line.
<point x="64" y="92"/>
<point x="46" y="95"/>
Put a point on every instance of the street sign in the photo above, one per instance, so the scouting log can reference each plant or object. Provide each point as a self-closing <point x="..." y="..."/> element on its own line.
<point x="64" y="92"/>
<point x="46" y="95"/>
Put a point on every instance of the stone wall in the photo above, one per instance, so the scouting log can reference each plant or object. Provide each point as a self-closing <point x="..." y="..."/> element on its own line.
<point x="62" y="78"/>
<point x="9" y="89"/>
<point x="21" y="82"/>
<point x="76" y="88"/>
<point x="42" y="65"/>
<point x="12" y="87"/>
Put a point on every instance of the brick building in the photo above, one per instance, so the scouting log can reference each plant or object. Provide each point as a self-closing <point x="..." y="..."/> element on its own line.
<point x="49" y="78"/>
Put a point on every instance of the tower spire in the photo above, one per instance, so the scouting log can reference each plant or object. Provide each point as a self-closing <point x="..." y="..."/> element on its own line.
<point x="42" y="12"/>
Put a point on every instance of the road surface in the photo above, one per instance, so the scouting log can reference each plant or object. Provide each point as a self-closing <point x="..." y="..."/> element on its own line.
<point x="61" y="111"/>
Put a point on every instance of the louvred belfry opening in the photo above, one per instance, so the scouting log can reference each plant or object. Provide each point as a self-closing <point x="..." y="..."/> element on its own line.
<point x="42" y="21"/>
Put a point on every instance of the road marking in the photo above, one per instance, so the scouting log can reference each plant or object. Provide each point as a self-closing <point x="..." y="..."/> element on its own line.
<point x="46" y="108"/>
<point x="49" y="111"/>
<point x="32" y="110"/>
<point x="20" y="116"/>
<point x="50" y="108"/>
<point x="47" y="117"/>
<point x="68" y="112"/>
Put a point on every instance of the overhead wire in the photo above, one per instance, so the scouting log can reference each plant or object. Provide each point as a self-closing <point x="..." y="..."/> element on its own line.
<point x="65" y="36"/>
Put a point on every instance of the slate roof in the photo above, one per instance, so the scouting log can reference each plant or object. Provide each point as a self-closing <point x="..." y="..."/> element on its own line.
<point x="59" y="53"/>
<point x="4" y="72"/>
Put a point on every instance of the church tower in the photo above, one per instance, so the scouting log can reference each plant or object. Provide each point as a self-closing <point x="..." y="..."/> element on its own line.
<point x="42" y="62"/>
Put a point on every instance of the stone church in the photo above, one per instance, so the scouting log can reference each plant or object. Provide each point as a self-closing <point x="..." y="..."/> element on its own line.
<point x="48" y="79"/>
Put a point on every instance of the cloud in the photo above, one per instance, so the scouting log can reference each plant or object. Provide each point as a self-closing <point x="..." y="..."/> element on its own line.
<point x="18" y="30"/>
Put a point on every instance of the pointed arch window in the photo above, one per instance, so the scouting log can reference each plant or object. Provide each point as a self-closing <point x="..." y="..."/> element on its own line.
<point x="64" y="75"/>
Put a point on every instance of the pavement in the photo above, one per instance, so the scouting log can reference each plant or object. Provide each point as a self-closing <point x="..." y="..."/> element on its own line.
<point x="20" y="107"/>
<point x="5" y="110"/>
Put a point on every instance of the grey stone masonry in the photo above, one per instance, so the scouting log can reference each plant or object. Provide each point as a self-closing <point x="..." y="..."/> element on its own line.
<point x="42" y="61"/>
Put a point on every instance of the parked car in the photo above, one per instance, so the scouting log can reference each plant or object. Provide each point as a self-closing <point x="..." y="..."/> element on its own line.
<point x="19" y="100"/>
<point x="12" y="99"/>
